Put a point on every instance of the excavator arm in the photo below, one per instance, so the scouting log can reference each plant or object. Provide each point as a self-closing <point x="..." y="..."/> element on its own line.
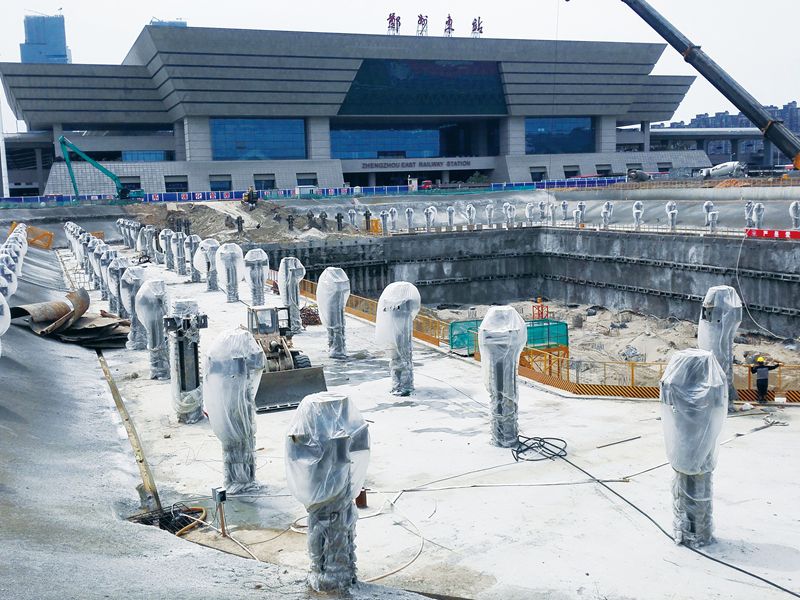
<point x="774" y="131"/>
<point x="67" y="146"/>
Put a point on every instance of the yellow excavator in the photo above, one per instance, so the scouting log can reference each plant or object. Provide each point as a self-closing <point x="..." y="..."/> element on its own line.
<point x="289" y="376"/>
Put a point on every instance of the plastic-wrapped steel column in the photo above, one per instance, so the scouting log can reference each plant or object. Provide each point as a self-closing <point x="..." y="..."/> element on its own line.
<point x="190" y="246"/>
<point x="183" y="324"/>
<point x="115" y="271"/>
<point x="179" y="251"/>
<point x="398" y="305"/>
<point x="609" y="206"/>
<point x="794" y="213"/>
<point x="351" y="216"/>
<point x="97" y="272"/>
<point x="638" y="213"/>
<point x="290" y="272"/>
<point x="673" y="220"/>
<point x="384" y="215"/>
<point x="233" y="369"/>
<point x="720" y="318"/>
<point x="576" y="217"/>
<point x="5" y="320"/>
<point x="451" y="217"/>
<point x="152" y="305"/>
<point x="333" y="290"/>
<point x="105" y="260"/>
<point x="88" y="251"/>
<point x="582" y="207"/>
<point x="713" y="220"/>
<point x="605" y="218"/>
<point x="541" y="207"/>
<point x="256" y="265"/>
<point x="564" y="210"/>
<point x="489" y="214"/>
<point x="410" y="218"/>
<point x="393" y="218"/>
<point x="501" y="337"/>
<point x="693" y="406"/>
<point x="150" y="242"/>
<point x="758" y="212"/>
<point x="131" y="281"/>
<point x="165" y="239"/>
<point x="708" y="207"/>
<point x="748" y="214"/>
<point x="430" y="218"/>
<point x="511" y="213"/>
<point x="230" y="269"/>
<point x="327" y="454"/>
<point x="470" y="212"/>
<point x="205" y="261"/>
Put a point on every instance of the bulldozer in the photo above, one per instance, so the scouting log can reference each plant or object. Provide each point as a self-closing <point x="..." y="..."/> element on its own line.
<point x="288" y="376"/>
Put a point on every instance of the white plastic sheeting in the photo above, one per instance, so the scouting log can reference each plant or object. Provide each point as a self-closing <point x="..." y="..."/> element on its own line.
<point x="398" y="305"/>
<point x="131" y="281"/>
<point x="230" y="269"/>
<point x="410" y="218"/>
<point x="190" y="245"/>
<point x="693" y="409"/>
<point x="327" y="454"/>
<point x="115" y="270"/>
<point x="165" y="241"/>
<point x="5" y="320"/>
<point x="333" y="290"/>
<point x="152" y="305"/>
<point x="720" y="318"/>
<point x="501" y="336"/>
<point x="469" y="211"/>
<point x="179" y="252"/>
<point x="187" y="399"/>
<point x="204" y="260"/>
<point x="256" y="263"/>
<point x="290" y="273"/>
<point x="233" y="369"/>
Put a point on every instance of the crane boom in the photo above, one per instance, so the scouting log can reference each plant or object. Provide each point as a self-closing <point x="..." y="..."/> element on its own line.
<point x="67" y="146"/>
<point x="774" y="131"/>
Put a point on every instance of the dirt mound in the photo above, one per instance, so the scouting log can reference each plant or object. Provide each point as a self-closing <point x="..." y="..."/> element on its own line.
<point x="268" y="223"/>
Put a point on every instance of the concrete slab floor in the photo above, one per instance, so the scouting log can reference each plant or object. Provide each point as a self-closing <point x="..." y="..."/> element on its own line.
<point x="482" y="525"/>
<point x="67" y="483"/>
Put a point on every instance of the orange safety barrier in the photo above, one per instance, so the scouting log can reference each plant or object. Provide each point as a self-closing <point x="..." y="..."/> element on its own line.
<point x="37" y="237"/>
<point x="555" y="368"/>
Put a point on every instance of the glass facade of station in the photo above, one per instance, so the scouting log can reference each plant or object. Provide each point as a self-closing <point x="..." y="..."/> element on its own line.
<point x="559" y="135"/>
<point x="257" y="139"/>
<point x="387" y="139"/>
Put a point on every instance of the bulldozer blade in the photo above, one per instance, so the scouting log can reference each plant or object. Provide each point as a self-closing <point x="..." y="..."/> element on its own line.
<point x="280" y="390"/>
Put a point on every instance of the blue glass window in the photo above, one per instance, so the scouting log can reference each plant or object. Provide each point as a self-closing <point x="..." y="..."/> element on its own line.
<point x="258" y="139"/>
<point x="559" y="135"/>
<point x="220" y="184"/>
<point x="412" y="140"/>
<point x="401" y="141"/>
<point x="146" y="155"/>
<point x="425" y="87"/>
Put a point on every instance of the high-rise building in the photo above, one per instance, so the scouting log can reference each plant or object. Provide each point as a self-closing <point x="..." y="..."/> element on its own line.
<point x="45" y="40"/>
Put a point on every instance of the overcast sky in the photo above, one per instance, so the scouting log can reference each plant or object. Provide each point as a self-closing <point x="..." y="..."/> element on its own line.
<point x="756" y="41"/>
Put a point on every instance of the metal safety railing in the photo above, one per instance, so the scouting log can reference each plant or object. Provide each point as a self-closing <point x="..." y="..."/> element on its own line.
<point x="556" y="368"/>
<point x="638" y="379"/>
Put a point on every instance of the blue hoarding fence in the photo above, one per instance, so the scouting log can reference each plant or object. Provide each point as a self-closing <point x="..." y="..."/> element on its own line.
<point x="309" y="192"/>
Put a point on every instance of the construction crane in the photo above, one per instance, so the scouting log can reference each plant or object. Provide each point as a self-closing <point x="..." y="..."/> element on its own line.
<point x="774" y="130"/>
<point x="123" y="193"/>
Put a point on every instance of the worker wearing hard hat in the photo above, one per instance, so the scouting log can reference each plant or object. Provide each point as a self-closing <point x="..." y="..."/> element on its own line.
<point x="762" y="369"/>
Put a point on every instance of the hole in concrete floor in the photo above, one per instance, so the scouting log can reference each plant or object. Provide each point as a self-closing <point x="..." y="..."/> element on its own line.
<point x="175" y="519"/>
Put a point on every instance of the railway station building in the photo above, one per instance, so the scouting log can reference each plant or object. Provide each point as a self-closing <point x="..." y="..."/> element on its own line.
<point x="222" y="109"/>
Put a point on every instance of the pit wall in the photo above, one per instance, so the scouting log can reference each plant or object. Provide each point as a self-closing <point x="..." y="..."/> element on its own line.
<point x="662" y="275"/>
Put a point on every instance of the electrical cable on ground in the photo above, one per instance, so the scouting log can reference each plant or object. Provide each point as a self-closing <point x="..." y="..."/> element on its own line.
<point x="229" y="536"/>
<point x="666" y="533"/>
